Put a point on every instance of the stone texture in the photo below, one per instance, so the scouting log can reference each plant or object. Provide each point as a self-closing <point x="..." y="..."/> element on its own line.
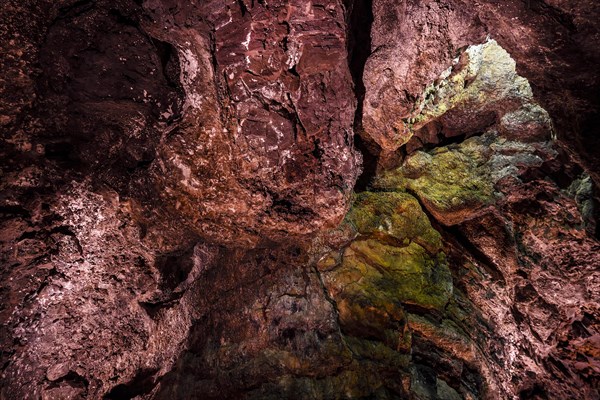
<point x="552" y="42"/>
<point x="479" y="89"/>
<point x="398" y="70"/>
<point x="392" y="284"/>
<point x="260" y="131"/>
<point x="502" y="194"/>
<point x="265" y="138"/>
<point x="177" y="217"/>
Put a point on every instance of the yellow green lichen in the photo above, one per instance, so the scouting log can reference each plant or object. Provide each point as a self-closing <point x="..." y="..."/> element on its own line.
<point x="455" y="182"/>
<point x="481" y="78"/>
<point x="396" y="260"/>
<point x="450" y="180"/>
<point x="395" y="216"/>
<point x="408" y="275"/>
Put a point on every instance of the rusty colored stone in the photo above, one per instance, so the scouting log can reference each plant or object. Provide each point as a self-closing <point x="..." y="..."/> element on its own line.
<point x="177" y="216"/>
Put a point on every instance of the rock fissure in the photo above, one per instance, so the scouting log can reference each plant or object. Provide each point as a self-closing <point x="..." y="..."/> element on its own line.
<point x="183" y="213"/>
<point x="360" y="19"/>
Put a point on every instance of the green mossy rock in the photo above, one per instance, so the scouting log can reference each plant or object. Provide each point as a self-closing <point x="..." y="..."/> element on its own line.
<point x="390" y="276"/>
<point x="396" y="260"/>
<point x="483" y="80"/>
<point x="393" y="217"/>
<point x="453" y="182"/>
<point x="480" y="90"/>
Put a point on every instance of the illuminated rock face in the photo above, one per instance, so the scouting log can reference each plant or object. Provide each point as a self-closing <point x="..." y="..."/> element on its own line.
<point x="179" y="219"/>
<point x="264" y="146"/>
<point x="225" y="119"/>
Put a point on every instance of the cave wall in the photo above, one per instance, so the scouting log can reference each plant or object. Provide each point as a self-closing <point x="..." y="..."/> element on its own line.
<point x="179" y="215"/>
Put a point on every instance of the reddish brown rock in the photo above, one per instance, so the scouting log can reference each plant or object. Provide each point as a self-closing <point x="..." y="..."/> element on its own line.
<point x="170" y="172"/>
<point x="411" y="44"/>
<point x="264" y="148"/>
<point x="553" y="43"/>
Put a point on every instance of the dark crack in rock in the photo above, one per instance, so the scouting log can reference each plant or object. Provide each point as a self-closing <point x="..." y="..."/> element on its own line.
<point x="181" y="214"/>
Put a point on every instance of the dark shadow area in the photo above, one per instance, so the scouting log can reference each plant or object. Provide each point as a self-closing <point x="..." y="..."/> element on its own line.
<point x="104" y="88"/>
<point x="141" y="384"/>
<point x="370" y="153"/>
<point x="359" y="46"/>
<point x="360" y="19"/>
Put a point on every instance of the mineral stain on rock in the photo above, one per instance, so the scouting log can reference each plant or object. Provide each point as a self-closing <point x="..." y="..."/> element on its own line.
<point x="293" y="199"/>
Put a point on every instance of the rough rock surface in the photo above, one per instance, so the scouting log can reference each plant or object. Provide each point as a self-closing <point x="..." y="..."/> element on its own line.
<point x="553" y="43"/>
<point x="178" y="215"/>
<point x="265" y="138"/>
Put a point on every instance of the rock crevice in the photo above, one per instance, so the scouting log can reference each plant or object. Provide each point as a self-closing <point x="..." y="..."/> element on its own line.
<point x="183" y="212"/>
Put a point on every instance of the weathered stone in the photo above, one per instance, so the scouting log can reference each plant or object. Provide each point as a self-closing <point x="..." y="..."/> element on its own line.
<point x="398" y="262"/>
<point x="57" y="371"/>
<point x="554" y="43"/>
<point x="454" y="184"/>
<point x="265" y="144"/>
<point x="170" y="172"/>
<point x="396" y="216"/>
<point x="398" y="69"/>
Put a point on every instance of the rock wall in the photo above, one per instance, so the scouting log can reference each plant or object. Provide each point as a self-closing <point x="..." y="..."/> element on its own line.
<point x="299" y="199"/>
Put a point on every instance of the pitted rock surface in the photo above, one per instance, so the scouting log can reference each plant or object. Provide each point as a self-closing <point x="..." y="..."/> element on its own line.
<point x="179" y="217"/>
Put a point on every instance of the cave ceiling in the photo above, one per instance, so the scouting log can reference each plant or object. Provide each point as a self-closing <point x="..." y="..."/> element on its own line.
<point x="294" y="199"/>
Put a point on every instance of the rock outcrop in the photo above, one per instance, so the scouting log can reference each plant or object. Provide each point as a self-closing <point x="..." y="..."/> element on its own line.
<point x="299" y="199"/>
